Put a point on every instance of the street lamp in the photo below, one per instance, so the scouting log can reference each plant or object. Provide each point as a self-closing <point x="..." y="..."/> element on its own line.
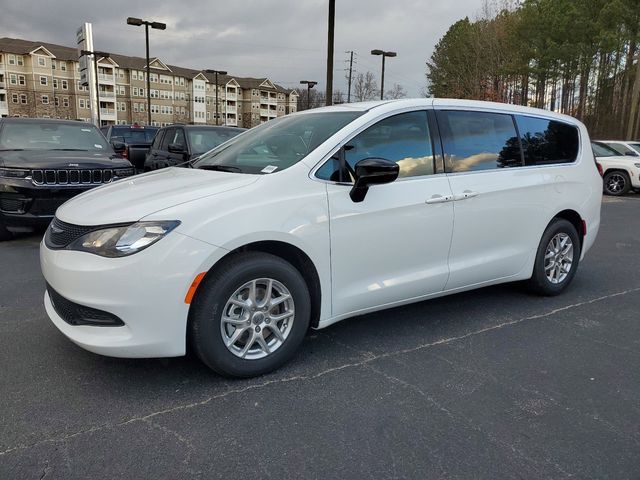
<point x="137" y="22"/>
<point x="216" y="73"/>
<point x="95" y="55"/>
<point x="384" y="54"/>
<point x="310" y="84"/>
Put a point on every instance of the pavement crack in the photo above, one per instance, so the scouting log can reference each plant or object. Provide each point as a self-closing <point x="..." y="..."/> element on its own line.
<point x="304" y="378"/>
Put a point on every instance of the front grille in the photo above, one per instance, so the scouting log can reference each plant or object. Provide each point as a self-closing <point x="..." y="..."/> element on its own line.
<point x="12" y="205"/>
<point x="46" y="206"/>
<point x="75" y="176"/>
<point x="60" y="234"/>
<point x="76" y="314"/>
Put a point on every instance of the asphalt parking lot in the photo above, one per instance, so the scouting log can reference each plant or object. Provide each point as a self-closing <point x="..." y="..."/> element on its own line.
<point x="490" y="384"/>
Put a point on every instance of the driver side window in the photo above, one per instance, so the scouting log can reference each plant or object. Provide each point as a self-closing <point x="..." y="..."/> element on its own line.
<point x="402" y="138"/>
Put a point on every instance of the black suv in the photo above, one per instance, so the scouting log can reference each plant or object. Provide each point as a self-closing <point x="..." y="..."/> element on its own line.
<point x="43" y="163"/>
<point x="179" y="143"/>
<point x="131" y="141"/>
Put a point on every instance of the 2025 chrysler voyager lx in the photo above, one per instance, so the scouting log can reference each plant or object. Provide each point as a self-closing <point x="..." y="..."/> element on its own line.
<point x="318" y="216"/>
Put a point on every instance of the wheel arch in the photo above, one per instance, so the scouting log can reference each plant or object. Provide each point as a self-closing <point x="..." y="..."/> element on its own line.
<point x="575" y="219"/>
<point x="292" y="254"/>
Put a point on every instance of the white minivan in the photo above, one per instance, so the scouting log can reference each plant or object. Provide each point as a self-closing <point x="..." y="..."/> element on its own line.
<point x="318" y="216"/>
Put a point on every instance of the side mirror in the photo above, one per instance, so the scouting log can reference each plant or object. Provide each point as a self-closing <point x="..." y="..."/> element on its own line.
<point x="372" y="171"/>
<point x="119" y="147"/>
<point x="176" y="148"/>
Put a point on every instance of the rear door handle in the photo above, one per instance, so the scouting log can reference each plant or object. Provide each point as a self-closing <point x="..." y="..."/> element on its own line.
<point x="466" y="194"/>
<point x="439" y="199"/>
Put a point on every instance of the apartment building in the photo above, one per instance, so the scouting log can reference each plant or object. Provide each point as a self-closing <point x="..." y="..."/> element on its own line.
<point x="39" y="79"/>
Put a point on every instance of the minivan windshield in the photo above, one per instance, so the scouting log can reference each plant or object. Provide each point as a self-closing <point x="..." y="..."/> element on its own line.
<point x="52" y="136"/>
<point x="277" y="144"/>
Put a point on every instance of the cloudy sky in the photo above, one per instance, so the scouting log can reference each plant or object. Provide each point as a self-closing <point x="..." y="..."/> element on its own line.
<point x="284" y="40"/>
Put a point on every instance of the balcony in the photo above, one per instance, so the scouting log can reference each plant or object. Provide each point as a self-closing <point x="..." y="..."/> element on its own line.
<point x="2" y="84"/>
<point x="231" y="95"/>
<point x="264" y="112"/>
<point x="4" y="107"/>
<point x="107" y="94"/>
<point x="106" y="77"/>
<point x="108" y="112"/>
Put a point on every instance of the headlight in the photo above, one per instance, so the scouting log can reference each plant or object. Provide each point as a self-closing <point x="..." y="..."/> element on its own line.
<point x="119" y="173"/>
<point x="637" y="165"/>
<point x="120" y="241"/>
<point x="13" y="173"/>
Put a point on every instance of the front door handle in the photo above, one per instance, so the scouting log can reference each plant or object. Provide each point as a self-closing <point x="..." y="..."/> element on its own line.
<point x="439" y="198"/>
<point x="466" y="194"/>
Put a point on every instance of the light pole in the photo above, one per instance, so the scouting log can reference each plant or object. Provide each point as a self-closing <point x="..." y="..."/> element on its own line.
<point x="310" y="84"/>
<point x="215" y="73"/>
<point x="331" y="27"/>
<point x="95" y="56"/>
<point x="384" y="54"/>
<point x="159" y="26"/>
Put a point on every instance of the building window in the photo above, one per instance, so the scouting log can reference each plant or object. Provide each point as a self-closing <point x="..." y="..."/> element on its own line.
<point x="43" y="80"/>
<point x="45" y="99"/>
<point x="42" y="62"/>
<point x="13" y="79"/>
<point x="14" y="98"/>
<point x="23" y="99"/>
<point x="65" y="102"/>
<point x="65" y="85"/>
<point x="55" y="83"/>
<point x="22" y="80"/>
<point x="56" y="101"/>
<point x="53" y="64"/>
<point x="135" y="107"/>
<point x="20" y="60"/>
<point x="81" y="103"/>
<point x="63" y="66"/>
<point x="12" y="59"/>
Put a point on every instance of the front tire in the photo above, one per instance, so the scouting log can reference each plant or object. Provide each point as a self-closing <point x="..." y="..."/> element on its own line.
<point x="557" y="258"/>
<point x="616" y="183"/>
<point x="250" y="315"/>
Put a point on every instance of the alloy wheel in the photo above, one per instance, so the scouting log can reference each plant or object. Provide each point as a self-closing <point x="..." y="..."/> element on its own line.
<point x="558" y="258"/>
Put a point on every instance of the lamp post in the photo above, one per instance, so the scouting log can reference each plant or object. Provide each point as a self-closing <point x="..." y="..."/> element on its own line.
<point x="95" y="55"/>
<point x="159" y="26"/>
<point x="384" y="55"/>
<point x="216" y="73"/>
<point x="310" y="84"/>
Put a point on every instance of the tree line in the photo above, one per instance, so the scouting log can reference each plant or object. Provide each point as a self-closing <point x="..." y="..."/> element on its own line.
<point x="579" y="57"/>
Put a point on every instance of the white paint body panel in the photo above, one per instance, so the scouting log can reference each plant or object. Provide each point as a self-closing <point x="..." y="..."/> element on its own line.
<point x="388" y="250"/>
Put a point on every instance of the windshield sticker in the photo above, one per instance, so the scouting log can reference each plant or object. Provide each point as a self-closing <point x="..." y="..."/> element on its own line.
<point x="86" y="129"/>
<point x="97" y="145"/>
<point x="269" y="169"/>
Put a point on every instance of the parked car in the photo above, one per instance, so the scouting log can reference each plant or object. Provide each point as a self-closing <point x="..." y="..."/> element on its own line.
<point x="318" y="216"/>
<point x="631" y="149"/>
<point x="43" y="163"/>
<point x="177" y="144"/>
<point x="621" y="172"/>
<point x="131" y="141"/>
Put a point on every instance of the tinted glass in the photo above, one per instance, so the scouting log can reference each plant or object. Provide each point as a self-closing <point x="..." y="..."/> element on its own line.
<point x="157" y="139"/>
<point x="403" y="139"/>
<point x="134" y="135"/>
<point x="602" y="150"/>
<point x="52" y="136"/>
<point x="276" y="144"/>
<point x="635" y="146"/>
<point x="204" y="139"/>
<point x="622" y="149"/>
<point x="169" y="135"/>
<point x="179" y="139"/>
<point x="547" y="141"/>
<point x="479" y="140"/>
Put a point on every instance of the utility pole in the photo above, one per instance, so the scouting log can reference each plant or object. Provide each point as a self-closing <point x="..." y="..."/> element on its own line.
<point x="350" y="73"/>
<point x="332" y="17"/>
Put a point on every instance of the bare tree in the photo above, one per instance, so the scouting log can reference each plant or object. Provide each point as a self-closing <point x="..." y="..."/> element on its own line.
<point x="364" y="87"/>
<point x="338" y="96"/>
<point x="397" y="91"/>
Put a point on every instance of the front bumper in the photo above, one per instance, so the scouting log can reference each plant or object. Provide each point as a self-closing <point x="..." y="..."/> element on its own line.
<point x="146" y="290"/>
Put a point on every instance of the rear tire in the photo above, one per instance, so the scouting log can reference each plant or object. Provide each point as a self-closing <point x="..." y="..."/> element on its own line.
<point x="557" y="258"/>
<point x="4" y="233"/>
<point x="233" y="322"/>
<point x="616" y="183"/>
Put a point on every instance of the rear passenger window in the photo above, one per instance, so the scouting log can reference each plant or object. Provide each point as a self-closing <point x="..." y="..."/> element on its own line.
<point x="475" y="141"/>
<point x="168" y="138"/>
<point x="547" y="142"/>
<point x="157" y="139"/>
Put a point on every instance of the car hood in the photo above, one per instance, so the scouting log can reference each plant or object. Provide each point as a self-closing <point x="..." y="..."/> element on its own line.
<point x="134" y="198"/>
<point x="52" y="159"/>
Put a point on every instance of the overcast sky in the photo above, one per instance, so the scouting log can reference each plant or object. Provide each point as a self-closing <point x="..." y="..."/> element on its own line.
<point x="284" y="40"/>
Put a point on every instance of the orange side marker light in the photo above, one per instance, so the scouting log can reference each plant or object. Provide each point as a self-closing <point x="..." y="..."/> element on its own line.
<point x="194" y="286"/>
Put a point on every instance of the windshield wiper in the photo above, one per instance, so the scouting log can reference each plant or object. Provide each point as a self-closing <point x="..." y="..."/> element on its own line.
<point x="70" y="149"/>
<point x="12" y="149"/>
<point x="221" y="168"/>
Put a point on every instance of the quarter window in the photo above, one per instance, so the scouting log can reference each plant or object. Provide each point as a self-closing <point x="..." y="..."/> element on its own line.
<point x="547" y="142"/>
<point x="476" y="141"/>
